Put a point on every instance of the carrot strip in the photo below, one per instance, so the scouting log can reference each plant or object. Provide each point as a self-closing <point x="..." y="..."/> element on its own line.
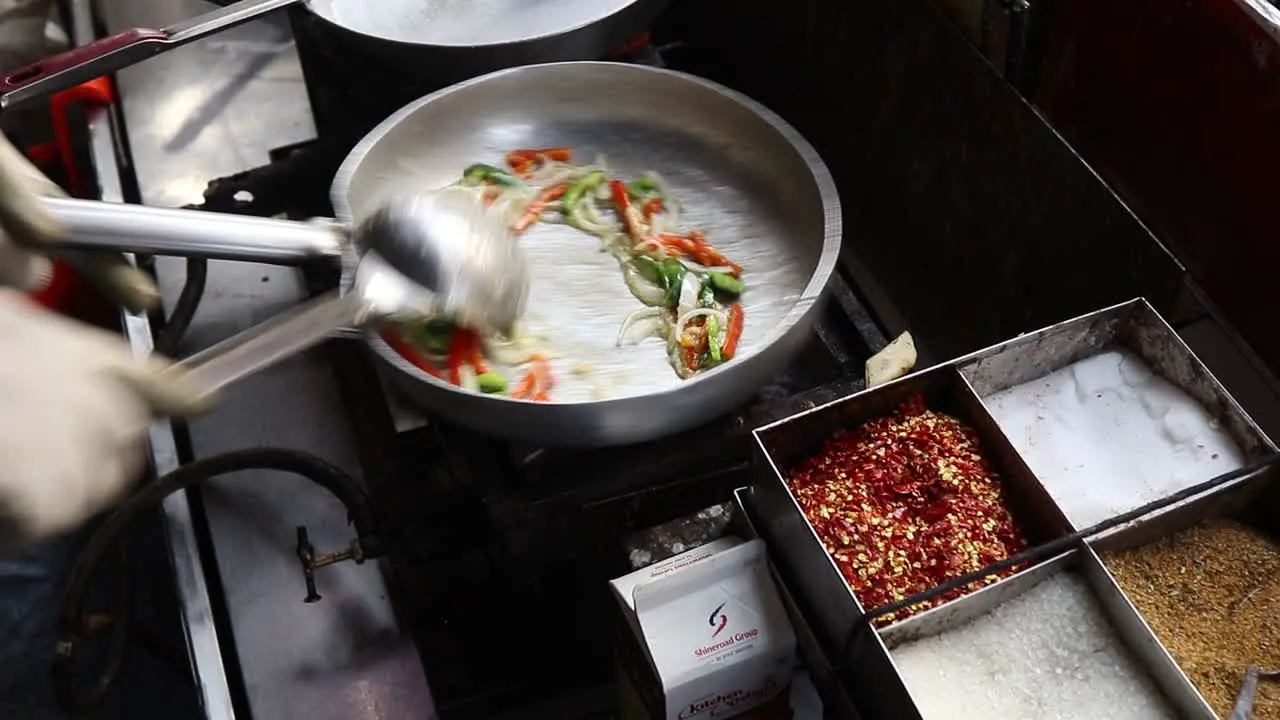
<point x="734" y="331"/>
<point x="651" y="208"/>
<point x="523" y="161"/>
<point x="541" y="397"/>
<point x="524" y="388"/>
<point x="681" y="244"/>
<point x="541" y="370"/>
<point x="406" y="350"/>
<point x="695" y="246"/>
<point x="535" y="209"/>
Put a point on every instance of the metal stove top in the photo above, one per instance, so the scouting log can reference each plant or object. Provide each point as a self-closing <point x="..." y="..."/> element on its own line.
<point x="486" y="528"/>
<point x="499" y="552"/>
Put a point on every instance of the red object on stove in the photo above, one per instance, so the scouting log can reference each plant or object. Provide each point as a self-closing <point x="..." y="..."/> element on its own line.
<point x="64" y="287"/>
<point x="635" y="44"/>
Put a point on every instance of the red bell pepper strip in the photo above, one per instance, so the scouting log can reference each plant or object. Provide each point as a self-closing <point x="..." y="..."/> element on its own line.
<point x="734" y="332"/>
<point x="457" y="356"/>
<point x="630" y="217"/>
<point x="406" y="350"/>
<point x="535" y="209"/>
<point x="471" y="354"/>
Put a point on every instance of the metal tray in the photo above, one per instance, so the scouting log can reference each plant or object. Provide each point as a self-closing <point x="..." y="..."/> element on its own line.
<point x="812" y="654"/>
<point x="1253" y="500"/>
<point x="796" y="547"/>
<point x="1125" y="621"/>
<point x="1134" y="326"/>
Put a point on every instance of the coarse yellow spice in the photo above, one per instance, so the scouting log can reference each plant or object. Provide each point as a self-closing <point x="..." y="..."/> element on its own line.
<point x="1212" y="595"/>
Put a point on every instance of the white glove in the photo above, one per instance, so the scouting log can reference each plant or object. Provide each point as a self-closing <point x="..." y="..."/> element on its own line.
<point x="74" y="410"/>
<point x="30" y="232"/>
<point x="74" y="403"/>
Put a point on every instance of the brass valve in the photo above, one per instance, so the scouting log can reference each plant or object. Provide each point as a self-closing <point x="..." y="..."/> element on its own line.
<point x="312" y="562"/>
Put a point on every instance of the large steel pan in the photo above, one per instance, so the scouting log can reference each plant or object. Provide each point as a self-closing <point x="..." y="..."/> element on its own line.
<point x="744" y="176"/>
<point x="445" y="38"/>
<point x="758" y="188"/>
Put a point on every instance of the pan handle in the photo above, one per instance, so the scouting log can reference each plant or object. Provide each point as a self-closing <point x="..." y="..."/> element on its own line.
<point x="279" y="338"/>
<point x="95" y="225"/>
<point x="107" y="55"/>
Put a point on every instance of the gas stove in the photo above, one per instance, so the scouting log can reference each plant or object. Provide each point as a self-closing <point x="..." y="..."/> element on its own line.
<point x="491" y="535"/>
<point x="498" y="552"/>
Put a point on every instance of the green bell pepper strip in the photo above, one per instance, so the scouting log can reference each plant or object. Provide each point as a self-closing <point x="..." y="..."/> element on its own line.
<point x="713" y="339"/>
<point x="481" y="173"/>
<point x="673" y="272"/>
<point x="726" y="284"/>
<point x="582" y="186"/>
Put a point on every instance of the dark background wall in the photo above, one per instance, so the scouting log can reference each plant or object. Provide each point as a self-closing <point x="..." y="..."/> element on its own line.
<point x="968" y="217"/>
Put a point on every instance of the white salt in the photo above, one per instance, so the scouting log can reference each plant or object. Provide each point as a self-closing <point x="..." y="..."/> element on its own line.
<point x="1048" y="653"/>
<point x="1106" y="435"/>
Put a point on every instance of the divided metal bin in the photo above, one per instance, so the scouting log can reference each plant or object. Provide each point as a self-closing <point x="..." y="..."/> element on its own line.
<point x="1253" y="501"/>
<point x="957" y="388"/>
<point x="1133" y="326"/>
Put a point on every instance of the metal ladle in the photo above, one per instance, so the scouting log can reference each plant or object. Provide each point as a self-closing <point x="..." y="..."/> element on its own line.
<point x="423" y="254"/>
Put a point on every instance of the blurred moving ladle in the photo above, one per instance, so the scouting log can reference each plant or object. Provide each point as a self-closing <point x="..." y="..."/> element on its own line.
<point x="439" y="252"/>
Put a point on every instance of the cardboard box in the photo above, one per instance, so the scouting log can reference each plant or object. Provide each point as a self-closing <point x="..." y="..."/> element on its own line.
<point x="713" y="636"/>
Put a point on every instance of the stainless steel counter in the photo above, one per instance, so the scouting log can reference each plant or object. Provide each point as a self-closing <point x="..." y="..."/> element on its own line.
<point x="200" y="112"/>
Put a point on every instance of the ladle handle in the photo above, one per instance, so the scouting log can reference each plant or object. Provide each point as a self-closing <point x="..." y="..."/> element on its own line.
<point x="281" y="337"/>
<point x="116" y="52"/>
<point x="94" y="225"/>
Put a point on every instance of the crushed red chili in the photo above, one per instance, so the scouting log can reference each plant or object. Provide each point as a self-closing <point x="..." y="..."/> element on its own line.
<point x="905" y="503"/>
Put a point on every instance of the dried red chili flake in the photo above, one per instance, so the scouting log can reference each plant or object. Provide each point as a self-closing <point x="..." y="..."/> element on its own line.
<point x="905" y="503"/>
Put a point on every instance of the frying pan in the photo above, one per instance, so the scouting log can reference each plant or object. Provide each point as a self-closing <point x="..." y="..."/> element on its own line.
<point x="466" y="37"/>
<point x="744" y="176"/>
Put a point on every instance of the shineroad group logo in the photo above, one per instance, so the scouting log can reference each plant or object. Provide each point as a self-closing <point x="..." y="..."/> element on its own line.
<point x="717" y="620"/>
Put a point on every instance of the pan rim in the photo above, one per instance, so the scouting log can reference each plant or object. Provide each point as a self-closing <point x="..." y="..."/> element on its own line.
<point x="805" y="303"/>
<point x="332" y="18"/>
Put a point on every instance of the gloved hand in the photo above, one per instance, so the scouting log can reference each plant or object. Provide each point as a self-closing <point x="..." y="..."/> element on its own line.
<point x="30" y="233"/>
<point x="74" y="410"/>
<point x="74" y="404"/>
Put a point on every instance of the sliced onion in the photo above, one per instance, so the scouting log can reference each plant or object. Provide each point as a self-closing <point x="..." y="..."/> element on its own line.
<point x="709" y="268"/>
<point x="645" y="291"/>
<point x="676" y="358"/>
<point x="649" y="246"/>
<point x="585" y="218"/>
<point x="641" y="324"/>
<point x="690" y="289"/>
<point x="656" y="224"/>
<point x="693" y="314"/>
<point x="467" y="379"/>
